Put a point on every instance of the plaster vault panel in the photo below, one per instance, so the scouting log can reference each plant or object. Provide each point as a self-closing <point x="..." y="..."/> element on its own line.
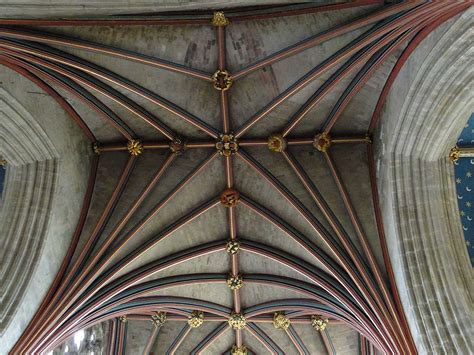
<point x="224" y="165"/>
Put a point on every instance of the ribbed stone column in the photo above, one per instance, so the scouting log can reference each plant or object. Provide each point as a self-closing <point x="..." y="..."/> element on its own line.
<point x="425" y="112"/>
<point x="48" y="167"/>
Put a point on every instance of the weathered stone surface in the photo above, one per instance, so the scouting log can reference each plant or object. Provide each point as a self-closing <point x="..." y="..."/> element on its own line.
<point x="47" y="175"/>
<point x="425" y="112"/>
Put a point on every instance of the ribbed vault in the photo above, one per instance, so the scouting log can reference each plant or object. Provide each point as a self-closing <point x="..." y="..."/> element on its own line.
<point x="232" y="204"/>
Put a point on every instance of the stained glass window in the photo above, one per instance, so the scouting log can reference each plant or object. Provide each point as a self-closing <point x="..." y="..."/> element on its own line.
<point x="2" y="180"/>
<point x="464" y="175"/>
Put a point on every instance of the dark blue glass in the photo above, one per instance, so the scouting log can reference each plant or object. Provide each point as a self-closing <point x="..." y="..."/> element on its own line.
<point x="2" y="179"/>
<point x="464" y="175"/>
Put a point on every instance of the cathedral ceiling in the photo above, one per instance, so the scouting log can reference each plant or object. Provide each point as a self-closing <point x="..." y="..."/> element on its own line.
<point x="231" y="201"/>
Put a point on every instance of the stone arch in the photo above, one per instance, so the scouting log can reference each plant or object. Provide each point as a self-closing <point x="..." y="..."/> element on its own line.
<point x="47" y="158"/>
<point x="424" y="114"/>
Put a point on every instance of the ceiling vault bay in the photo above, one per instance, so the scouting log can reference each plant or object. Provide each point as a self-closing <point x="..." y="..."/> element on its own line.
<point x="252" y="211"/>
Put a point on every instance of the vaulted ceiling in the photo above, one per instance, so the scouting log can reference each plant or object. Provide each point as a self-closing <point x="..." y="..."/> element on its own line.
<point x="231" y="177"/>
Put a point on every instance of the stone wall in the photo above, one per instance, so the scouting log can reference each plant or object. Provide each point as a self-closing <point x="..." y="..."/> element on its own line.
<point x="425" y="112"/>
<point x="48" y="167"/>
